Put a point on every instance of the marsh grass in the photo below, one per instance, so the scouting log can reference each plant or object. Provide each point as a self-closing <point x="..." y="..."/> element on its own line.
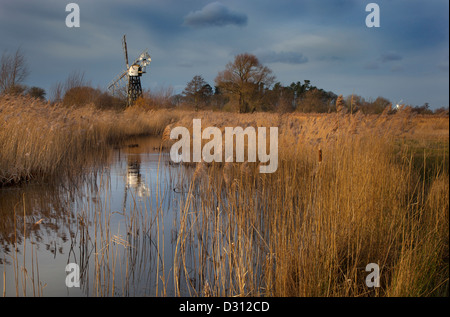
<point x="40" y="140"/>
<point x="311" y="228"/>
<point x="350" y="190"/>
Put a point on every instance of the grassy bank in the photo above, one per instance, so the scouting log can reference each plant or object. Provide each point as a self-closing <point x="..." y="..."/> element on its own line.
<point x="39" y="140"/>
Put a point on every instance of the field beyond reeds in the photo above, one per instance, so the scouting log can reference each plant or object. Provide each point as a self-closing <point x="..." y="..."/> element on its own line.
<point x="378" y="194"/>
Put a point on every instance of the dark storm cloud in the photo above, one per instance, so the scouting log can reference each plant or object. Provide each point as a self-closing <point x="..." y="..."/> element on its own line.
<point x="390" y="56"/>
<point x="215" y="14"/>
<point x="414" y="24"/>
<point x="282" y="57"/>
<point x="387" y="57"/>
<point x="407" y="57"/>
<point x="372" y="65"/>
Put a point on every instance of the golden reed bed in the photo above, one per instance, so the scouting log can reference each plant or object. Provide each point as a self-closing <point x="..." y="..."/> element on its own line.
<point x="349" y="190"/>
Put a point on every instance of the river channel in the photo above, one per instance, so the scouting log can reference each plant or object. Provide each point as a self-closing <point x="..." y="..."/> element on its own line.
<point x="118" y="225"/>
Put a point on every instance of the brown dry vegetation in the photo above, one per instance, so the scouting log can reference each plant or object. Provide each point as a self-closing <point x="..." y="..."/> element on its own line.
<point x="378" y="195"/>
<point x="38" y="139"/>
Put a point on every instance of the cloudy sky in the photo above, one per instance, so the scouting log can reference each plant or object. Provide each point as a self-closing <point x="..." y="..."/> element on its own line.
<point x="326" y="41"/>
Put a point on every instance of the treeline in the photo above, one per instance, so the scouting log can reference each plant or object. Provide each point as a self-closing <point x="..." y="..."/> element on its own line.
<point x="301" y="97"/>
<point x="304" y="97"/>
<point x="245" y="85"/>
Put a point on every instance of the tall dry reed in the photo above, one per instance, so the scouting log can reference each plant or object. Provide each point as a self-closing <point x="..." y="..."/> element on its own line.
<point x="38" y="139"/>
<point x="310" y="228"/>
<point x="376" y="193"/>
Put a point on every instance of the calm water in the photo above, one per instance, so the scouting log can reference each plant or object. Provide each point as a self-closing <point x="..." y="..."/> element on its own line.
<point x="119" y="224"/>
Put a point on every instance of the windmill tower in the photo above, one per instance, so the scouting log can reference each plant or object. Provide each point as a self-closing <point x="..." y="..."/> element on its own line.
<point x="131" y="76"/>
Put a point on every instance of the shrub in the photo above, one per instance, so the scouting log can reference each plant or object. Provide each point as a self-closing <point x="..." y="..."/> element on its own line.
<point x="80" y="96"/>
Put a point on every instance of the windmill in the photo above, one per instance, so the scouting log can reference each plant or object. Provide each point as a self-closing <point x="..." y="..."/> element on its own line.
<point x="132" y="75"/>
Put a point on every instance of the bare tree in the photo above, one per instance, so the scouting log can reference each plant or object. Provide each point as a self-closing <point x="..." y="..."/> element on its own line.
<point x="244" y="80"/>
<point x="56" y="92"/>
<point x="13" y="71"/>
<point x="74" y="79"/>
